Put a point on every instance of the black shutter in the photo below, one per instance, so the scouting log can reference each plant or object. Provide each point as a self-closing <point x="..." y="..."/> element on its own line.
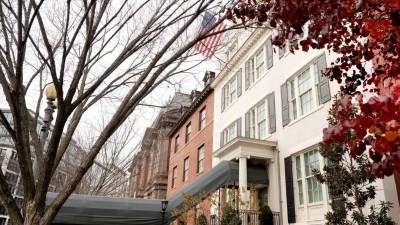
<point x="239" y="126"/>
<point x="285" y="104"/>
<point x="247" y="125"/>
<point x="270" y="60"/>
<point x="239" y="82"/>
<point x="323" y="81"/>
<point x="247" y="75"/>
<point x="271" y="112"/>
<point x="222" y="139"/>
<point x="223" y="99"/>
<point x="289" y="190"/>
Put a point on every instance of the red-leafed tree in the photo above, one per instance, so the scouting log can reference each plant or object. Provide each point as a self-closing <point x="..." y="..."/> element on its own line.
<point x="361" y="32"/>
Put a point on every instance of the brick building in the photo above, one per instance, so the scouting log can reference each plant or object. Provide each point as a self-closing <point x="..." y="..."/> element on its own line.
<point x="149" y="166"/>
<point x="191" y="144"/>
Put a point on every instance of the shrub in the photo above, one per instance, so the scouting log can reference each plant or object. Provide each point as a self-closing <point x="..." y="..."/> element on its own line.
<point x="266" y="217"/>
<point x="201" y="220"/>
<point x="229" y="216"/>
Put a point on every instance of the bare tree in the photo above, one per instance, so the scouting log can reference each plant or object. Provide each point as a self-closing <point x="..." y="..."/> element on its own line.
<point x="92" y="51"/>
<point x="109" y="174"/>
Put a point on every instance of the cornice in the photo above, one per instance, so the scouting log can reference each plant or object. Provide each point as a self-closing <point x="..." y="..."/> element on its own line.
<point x="239" y="56"/>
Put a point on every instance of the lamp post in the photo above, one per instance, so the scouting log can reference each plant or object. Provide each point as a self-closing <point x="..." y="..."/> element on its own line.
<point x="51" y="95"/>
<point x="164" y="204"/>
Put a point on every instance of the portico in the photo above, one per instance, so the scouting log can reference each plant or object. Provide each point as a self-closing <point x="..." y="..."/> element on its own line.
<point x="248" y="151"/>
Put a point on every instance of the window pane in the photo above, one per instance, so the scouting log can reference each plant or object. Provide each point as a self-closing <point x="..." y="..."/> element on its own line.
<point x="298" y="167"/>
<point x="292" y="89"/>
<point x="200" y="157"/>
<point x="306" y="163"/>
<point x="314" y="188"/>
<point x="252" y="71"/>
<point x="310" y="190"/>
<point x="253" y="124"/>
<point x="232" y="90"/>
<point x="261" y="112"/>
<point x="262" y="129"/>
<point x="300" y="187"/>
<point x="306" y="102"/>
<point x="260" y="64"/>
<point x="304" y="81"/>
<point x="261" y="121"/>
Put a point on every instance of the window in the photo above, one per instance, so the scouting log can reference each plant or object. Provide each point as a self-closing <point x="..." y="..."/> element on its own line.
<point x="174" y="176"/>
<point x="256" y="66"/>
<point x="200" y="159"/>
<point x="230" y="91"/>
<point x="202" y="118"/>
<point x="305" y="164"/>
<point x="186" y="169"/>
<point x="176" y="144"/>
<point x="299" y="180"/>
<point x="188" y="132"/>
<point x="303" y="94"/>
<point x="258" y="127"/>
<point x="230" y="133"/>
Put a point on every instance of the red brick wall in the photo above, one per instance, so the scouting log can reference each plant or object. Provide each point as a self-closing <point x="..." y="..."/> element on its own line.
<point x="198" y="138"/>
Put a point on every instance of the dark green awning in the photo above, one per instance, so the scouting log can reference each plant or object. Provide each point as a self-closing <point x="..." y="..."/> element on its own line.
<point x="99" y="210"/>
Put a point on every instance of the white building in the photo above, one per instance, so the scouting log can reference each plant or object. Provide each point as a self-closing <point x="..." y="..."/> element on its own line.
<point x="270" y="109"/>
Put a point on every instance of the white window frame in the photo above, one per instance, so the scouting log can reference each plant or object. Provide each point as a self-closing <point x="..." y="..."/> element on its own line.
<point x="309" y="190"/>
<point x="200" y="159"/>
<point x="176" y="148"/>
<point x="230" y="132"/>
<point x="202" y="118"/>
<point x="188" y="132"/>
<point x="258" y="121"/>
<point x="299" y="88"/>
<point x="230" y="91"/>
<point x="257" y="64"/>
<point x="186" y="169"/>
<point x="174" y="176"/>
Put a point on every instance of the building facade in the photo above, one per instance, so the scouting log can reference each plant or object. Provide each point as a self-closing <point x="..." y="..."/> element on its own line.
<point x="191" y="143"/>
<point x="270" y="109"/>
<point x="149" y="169"/>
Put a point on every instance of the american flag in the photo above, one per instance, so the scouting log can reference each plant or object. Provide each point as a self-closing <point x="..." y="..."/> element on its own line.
<point x="208" y="46"/>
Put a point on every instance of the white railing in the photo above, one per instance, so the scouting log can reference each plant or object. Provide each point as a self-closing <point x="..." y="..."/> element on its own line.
<point x="249" y="217"/>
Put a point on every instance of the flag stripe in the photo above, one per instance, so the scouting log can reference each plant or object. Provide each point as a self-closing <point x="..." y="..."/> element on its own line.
<point x="208" y="46"/>
<point x="215" y="41"/>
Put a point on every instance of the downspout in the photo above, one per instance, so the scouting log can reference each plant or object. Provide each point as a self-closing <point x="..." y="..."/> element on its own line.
<point x="280" y="188"/>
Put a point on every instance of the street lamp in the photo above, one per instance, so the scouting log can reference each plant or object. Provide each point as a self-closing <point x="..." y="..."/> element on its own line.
<point x="51" y="95"/>
<point x="164" y="204"/>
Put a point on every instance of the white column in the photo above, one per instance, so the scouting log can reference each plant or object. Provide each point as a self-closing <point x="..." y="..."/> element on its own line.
<point x="243" y="177"/>
<point x="243" y="186"/>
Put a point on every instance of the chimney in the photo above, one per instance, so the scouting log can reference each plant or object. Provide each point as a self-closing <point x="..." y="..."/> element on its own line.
<point x="194" y="95"/>
<point x="208" y="78"/>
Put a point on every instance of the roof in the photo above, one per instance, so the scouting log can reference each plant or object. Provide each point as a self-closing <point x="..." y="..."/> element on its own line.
<point x="192" y="108"/>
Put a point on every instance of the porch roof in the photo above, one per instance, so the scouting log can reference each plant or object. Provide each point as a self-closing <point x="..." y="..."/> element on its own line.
<point x="254" y="148"/>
